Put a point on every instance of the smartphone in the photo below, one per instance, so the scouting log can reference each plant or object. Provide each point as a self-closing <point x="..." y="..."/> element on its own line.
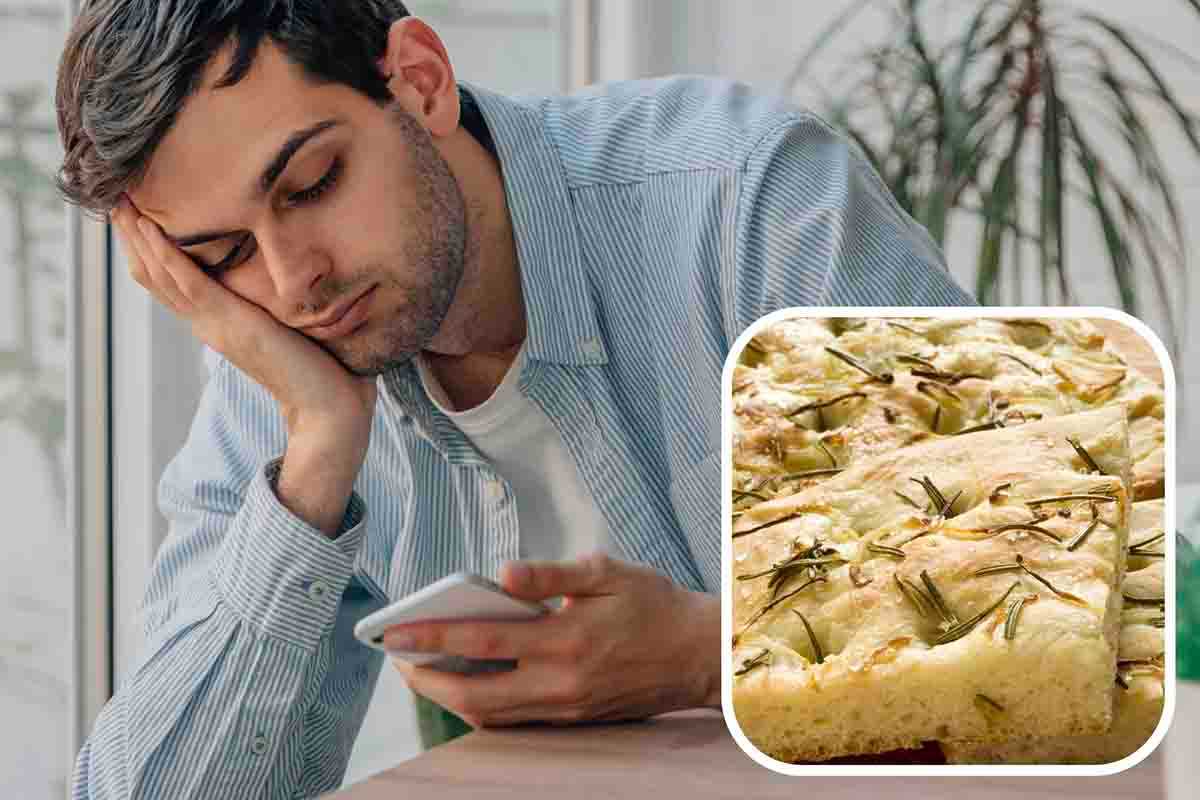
<point x="461" y="596"/>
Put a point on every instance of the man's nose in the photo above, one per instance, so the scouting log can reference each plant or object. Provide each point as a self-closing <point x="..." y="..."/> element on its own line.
<point x="296" y="269"/>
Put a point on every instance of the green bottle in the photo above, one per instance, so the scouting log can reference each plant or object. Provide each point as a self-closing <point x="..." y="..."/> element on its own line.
<point x="1187" y="604"/>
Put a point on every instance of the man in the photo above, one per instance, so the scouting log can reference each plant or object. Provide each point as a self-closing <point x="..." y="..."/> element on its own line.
<point x="447" y="330"/>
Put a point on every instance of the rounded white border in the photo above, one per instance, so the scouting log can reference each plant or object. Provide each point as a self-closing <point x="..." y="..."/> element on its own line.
<point x="1169" y="527"/>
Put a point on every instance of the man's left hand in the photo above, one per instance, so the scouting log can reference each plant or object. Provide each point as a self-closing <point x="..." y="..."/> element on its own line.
<point x="627" y="643"/>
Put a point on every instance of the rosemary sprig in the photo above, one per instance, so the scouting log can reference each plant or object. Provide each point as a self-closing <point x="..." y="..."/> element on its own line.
<point x="812" y="637"/>
<point x="945" y="377"/>
<point x="1153" y="601"/>
<point x="792" y="563"/>
<point x="833" y="463"/>
<point x="987" y="426"/>
<point x="758" y="614"/>
<point x="1066" y="498"/>
<point x="928" y="388"/>
<point x="990" y="702"/>
<point x="915" y="359"/>
<point x="1023" y="363"/>
<point x="1085" y="455"/>
<point x="1013" y="614"/>
<point x="883" y="377"/>
<point x="765" y="525"/>
<point x="1078" y="538"/>
<point x="936" y="498"/>
<point x="916" y="596"/>
<point x="1137" y="549"/>
<point x="841" y="398"/>
<point x="884" y="550"/>
<point x="963" y="628"/>
<point x="939" y="602"/>
<point x="760" y="660"/>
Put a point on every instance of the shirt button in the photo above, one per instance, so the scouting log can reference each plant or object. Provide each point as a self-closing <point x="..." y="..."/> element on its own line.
<point x="592" y="348"/>
<point x="258" y="745"/>
<point x="317" y="590"/>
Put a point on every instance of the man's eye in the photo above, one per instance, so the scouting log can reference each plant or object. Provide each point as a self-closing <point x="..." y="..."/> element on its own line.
<point x="319" y="188"/>
<point x="241" y="252"/>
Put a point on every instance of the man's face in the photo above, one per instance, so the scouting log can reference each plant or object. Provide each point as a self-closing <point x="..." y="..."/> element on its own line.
<point x="365" y="203"/>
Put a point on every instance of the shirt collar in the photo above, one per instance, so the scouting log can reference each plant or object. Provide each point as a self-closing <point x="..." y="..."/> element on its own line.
<point x="559" y="306"/>
<point x="561" y="323"/>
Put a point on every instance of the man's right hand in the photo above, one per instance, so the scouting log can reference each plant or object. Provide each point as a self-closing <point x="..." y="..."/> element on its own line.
<point x="327" y="409"/>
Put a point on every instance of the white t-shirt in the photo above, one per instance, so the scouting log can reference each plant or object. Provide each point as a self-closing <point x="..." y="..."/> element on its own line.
<point x="557" y="516"/>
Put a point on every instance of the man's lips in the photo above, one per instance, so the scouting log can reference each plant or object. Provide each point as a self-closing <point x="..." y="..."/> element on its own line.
<point x="344" y="319"/>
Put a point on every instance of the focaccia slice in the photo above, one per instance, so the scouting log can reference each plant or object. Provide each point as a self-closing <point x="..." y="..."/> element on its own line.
<point x="1140" y="675"/>
<point x="906" y="569"/>
<point x="813" y="396"/>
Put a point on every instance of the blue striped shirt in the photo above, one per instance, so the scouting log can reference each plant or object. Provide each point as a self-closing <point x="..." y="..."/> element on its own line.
<point x="654" y="221"/>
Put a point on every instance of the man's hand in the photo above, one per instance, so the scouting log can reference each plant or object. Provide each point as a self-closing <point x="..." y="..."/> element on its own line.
<point x="627" y="643"/>
<point x="327" y="409"/>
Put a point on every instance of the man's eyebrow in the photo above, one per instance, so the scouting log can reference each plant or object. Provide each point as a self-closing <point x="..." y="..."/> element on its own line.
<point x="266" y="180"/>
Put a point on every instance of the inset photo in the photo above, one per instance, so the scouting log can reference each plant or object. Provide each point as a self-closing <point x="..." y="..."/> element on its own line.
<point x="948" y="545"/>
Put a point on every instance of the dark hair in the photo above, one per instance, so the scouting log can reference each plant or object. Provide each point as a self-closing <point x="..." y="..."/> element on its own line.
<point x="129" y="65"/>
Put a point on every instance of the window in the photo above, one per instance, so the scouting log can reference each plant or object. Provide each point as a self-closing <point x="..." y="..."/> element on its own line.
<point x="53" y="556"/>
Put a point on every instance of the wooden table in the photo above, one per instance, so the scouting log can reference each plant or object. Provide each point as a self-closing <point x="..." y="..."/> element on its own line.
<point x="689" y="755"/>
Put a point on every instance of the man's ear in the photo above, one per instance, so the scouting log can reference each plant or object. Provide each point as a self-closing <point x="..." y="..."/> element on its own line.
<point x="419" y="75"/>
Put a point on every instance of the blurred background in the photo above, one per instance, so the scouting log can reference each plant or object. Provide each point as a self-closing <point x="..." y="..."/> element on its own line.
<point x="1052" y="147"/>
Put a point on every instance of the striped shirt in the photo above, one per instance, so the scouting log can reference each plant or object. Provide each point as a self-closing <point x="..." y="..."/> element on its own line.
<point x="654" y="221"/>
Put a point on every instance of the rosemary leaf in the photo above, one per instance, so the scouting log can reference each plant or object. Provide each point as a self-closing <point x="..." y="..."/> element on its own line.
<point x="812" y="637"/>
<point x="1121" y="681"/>
<point x="1085" y="455"/>
<point x="990" y="702"/>
<point x="884" y="377"/>
<point x="987" y="426"/>
<point x="739" y="494"/>
<point x="1159" y="622"/>
<point x="825" y="403"/>
<point x="1065" y="498"/>
<point x="1078" y="538"/>
<point x="794" y="562"/>
<point x="948" y="511"/>
<point x="758" y="614"/>
<point x="996" y="569"/>
<point x="914" y="595"/>
<point x="907" y="499"/>
<point x="903" y="327"/>
<point x="884" y="550"/>
<point x="927" y="388"/>
<point x="1023" y="363"/>
<point x="768" y="525"/>
<point x="937" y="499"/>
<point x="811" y="473"/>
<point x="762" y="659"/>
<point x="1014" y="614"/>
<point x="945" y="377"/>
<point x="1147" y="542"/>
<point x="1155" y="601"/>
<point x="1064" y="595"/>
<point x="915" y="359"/>
<point x="939" y="602"/>
<point x="963" y="628"/>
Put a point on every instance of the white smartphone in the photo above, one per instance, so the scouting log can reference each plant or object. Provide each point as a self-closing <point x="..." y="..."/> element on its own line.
<point x="461" y="596"/>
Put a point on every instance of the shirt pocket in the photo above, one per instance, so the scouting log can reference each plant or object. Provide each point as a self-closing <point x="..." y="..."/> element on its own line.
<point x="696" y="500"/>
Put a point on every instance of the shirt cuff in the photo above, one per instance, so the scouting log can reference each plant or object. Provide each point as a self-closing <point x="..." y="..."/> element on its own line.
<point x="280" y="573"/>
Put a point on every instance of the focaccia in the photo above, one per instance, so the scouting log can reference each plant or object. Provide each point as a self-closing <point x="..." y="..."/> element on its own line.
<point x="1140" y="675"/>
<point x="962" y="588"/>
<point x="813" y="396"/>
